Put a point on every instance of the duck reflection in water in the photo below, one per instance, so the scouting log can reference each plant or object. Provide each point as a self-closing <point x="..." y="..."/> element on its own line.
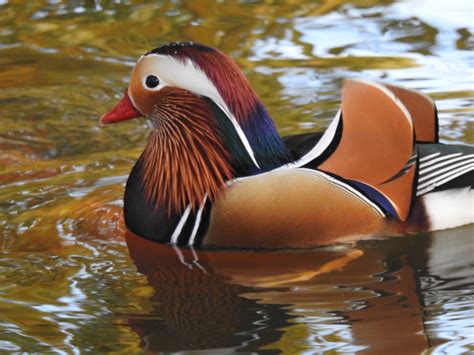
<point x="198" y="304"/>
<point x="249" y="301"/>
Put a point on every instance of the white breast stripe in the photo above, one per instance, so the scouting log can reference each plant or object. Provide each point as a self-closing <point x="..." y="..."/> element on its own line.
<point x="447" y="178"/>
<point x="197" y="222"/>
<point x="179" y="227"/>
<point x="438" y="172"/>
<point x="423" y="171"/>
<point x="428" y="157"/>
<point x="319" y="148"/>
<point x="449" y="156"/>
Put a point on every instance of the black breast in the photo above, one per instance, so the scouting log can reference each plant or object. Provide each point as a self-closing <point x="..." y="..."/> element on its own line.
<point x="144" y="219"/>
<point x="141" y="217"/>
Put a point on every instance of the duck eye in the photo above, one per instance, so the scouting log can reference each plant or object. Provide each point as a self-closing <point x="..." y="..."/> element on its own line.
<point x="152" y="81"/>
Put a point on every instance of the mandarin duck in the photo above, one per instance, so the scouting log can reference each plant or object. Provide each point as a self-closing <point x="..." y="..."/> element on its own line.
<point x="216" y="173"/>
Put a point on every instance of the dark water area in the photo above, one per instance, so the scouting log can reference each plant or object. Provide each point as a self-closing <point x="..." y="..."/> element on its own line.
<point x="73" y="280"/>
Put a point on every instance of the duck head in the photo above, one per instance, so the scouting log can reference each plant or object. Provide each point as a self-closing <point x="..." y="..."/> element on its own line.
<point x="209" y="126"/>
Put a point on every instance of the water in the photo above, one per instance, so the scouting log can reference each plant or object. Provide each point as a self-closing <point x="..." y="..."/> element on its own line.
<point x="72" y="280"/>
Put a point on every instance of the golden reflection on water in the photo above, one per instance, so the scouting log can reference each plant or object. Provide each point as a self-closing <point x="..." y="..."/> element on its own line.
<point x="71" y="279"/>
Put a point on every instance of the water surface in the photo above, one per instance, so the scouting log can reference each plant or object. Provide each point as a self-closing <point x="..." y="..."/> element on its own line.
<point x="72" y="280"/>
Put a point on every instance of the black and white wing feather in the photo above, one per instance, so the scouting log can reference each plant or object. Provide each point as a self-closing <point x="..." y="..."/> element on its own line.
<point x="443" y="167"/>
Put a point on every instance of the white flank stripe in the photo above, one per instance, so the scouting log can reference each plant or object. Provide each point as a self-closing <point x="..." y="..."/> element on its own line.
<point x="428" y="157"/>
<point x="179" y="227"/>
<point x="446" y="162"/>
<point x="438" y="172"/>
<point x="449" y="156"/>
<point x="319" y="148"/>
<point x="444" y="179"/>
<point x="450" y="208"/>
<point x="197" y="222"/>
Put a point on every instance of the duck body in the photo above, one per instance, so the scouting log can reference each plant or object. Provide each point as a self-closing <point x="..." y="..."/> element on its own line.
<point x="216" y="174"/>
<point x="284" y="209"/>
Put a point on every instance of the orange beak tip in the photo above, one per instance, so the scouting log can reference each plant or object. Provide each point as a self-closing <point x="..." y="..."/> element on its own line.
<point x="103" y="119"/>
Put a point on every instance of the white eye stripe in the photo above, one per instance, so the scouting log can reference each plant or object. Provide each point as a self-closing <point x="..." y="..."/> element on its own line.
<point x="180" y="74"/>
